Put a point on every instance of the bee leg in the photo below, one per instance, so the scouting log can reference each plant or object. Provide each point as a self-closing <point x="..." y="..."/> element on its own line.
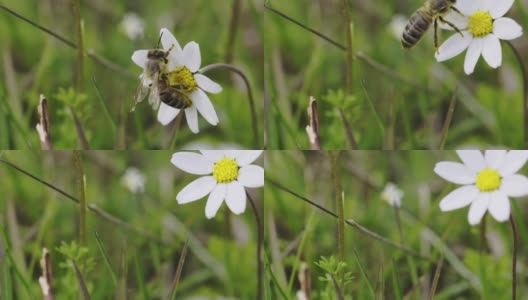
<point x="435" y="23"/>
<point x="456" y="10"/>
<point x="451" y="25"/>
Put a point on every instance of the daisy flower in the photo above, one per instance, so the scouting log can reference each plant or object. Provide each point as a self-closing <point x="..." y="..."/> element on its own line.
<point x="488" y="181"/>
<point x="392" y="194"/>
<point x="183" y="69"/>
<point x="227" y="174"/>
<point x="482" y="26"/>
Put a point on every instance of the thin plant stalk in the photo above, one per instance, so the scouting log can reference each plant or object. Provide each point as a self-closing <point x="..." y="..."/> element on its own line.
<point x="338" y="190"/>
<point x="82" y="199"/>
<point x="514" y="258"/>
<point x="525" y="91"/>
<point x="250" y="95"/>
<point x="260" y="244"/>
<point x="179" y="270"/>
<point x="349" y="51"/>
<point x="447" y="122"/>
<point x="233" y="28"/>
<point x="80" y="43"/>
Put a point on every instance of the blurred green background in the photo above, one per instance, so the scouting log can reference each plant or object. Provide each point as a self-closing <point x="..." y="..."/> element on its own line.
<point x="400" y="98"/>
<point x="221" y="257"/>
<point x="299" y="234"/>
<point x="35" y="63"/>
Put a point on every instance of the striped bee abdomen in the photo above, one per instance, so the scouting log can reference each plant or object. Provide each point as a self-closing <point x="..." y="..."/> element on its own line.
<point x="416" y="27"/>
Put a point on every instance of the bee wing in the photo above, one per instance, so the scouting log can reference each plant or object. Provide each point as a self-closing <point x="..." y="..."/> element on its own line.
<point x="154" y="97"/>
<point x="141" y="91"/>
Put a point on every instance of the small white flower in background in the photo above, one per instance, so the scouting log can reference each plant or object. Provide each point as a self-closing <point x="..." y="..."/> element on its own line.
<point x="183" y="67"/>
<point x="392" y="194"/>
<point x="134" y="180"/>
<point x="482" y="26"/>
<point x="397" y="26"/>
<point x="488" y="180"/>
<point x="227" y="174"/>
<point x="133" y="26"/>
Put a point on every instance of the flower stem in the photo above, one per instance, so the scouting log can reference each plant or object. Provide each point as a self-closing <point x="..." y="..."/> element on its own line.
<point x="525" y="91"/>
<point x="80" y="44"/>
<point x="514" y="258"/>
<point x="233" y="28"/>
<point x="250" y="95"/>
<point x="82" y="199"/>
<point x="260" y="242"/>
<point x="338" y="190"/>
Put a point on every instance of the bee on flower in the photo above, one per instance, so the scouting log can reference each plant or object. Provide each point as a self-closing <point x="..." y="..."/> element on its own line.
<point x="171" y="76"/>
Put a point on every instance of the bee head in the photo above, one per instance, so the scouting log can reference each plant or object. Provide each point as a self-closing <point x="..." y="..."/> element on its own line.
<point x="156" y="54"/>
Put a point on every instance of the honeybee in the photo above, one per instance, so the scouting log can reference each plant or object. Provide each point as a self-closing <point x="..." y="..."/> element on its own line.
<point x="431" y="11"/>
<point x="173" y="95"/>
<point x="156" y="66"/>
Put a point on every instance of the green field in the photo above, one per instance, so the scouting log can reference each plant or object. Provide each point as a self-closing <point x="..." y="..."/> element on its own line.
<point x="35" y="62"/>
<point x="131" y="244"/>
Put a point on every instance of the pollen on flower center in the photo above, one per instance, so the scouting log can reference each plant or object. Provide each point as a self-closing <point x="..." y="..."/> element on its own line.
<point x="488" y="180"/>
<point x="182" y="79"/>
<point x="480" y="23"/>
<point x="225" y="170"/>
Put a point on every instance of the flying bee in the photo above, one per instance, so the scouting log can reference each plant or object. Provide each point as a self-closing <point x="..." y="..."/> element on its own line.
<point x="431" y="11"/>
<point x="155" y="66"/>
<point x="172" y="95"/>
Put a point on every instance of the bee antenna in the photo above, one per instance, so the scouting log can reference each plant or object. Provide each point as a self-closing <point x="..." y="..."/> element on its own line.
<point x="159" y="41"/>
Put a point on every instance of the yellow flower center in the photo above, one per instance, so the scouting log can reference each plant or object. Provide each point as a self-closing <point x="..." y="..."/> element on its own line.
<point x="488" y="180"/>
<point x="480" y="23"/>
<point x="225" y="170"/>
<point x="182" y="79"/>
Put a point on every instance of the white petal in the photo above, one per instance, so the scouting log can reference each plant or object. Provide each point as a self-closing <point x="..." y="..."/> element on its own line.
<point x="467" y="7"/>
<point x="478" y="208"/>
<point x="472" y="55"/>
<point x="245" y="157"/>
<point x="499" y="8"/>
<point x="232" y="153"/>
<point x="458" y="198"/>
<point x="213" y="155"/>
<point x="494" y="158"/>
<point x="236" y="197"/>
<point x="207" y="84"/>
<point x="513" y="162"/>
<point x="506" y="29"/>
<point x="485" y="5"/>
<point x="499" y="206"/>
<point x="215" y="200"/>
<point x="204" y="106"/>
<point x="193" y="163"/>
<point x="251" y="176"/>
<point x="455" y="172"/>
<point x="491" y="51"/>
<point x="473" y="159"/>
<point x="191" y="114"/>
<point x="460" y="22"/>
<point x="196" y="189"/>
<point x="515" y="185"/>
<point x="167" y="41"/>
<point x="139" y="57"/>
<point x="192" y="57"/>
<point x="167" y="113"/>
<point x="453" y="46"/>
